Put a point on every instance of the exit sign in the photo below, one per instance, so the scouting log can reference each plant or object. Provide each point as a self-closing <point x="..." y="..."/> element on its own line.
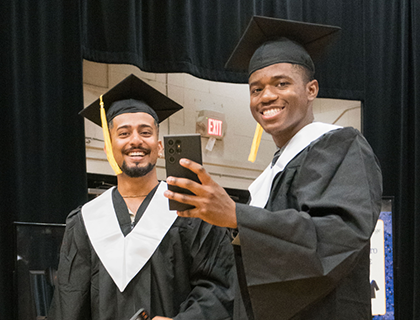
<point x="211" y="124"/>
<point x="214" y="127"/>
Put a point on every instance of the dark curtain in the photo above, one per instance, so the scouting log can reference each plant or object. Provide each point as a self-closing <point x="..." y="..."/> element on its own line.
<point x="391" y="123"/>
<point x="43" y="174"/>
<point x="165" y="36"/>
<point x="198" y="36"/>
<point x="376" y="60"/>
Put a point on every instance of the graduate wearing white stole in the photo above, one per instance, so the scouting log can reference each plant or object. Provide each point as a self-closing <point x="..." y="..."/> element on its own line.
<point x="125" y="250"/>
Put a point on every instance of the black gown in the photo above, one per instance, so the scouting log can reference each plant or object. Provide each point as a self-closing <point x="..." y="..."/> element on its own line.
<point x="306" y="254"/>
<point x="189" y="276"/>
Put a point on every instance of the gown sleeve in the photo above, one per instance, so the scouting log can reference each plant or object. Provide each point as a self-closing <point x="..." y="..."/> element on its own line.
<point x="322" y="210"/>
<point x="72" y="293"/>
<point x="212" y="275"/>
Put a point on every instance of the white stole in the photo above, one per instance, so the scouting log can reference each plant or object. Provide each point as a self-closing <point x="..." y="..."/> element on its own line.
<point x="260" y="188"/>
<point x="123" y="257"/>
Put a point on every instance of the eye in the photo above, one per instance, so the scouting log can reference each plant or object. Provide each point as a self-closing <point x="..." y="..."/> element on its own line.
<point x="283" y="84"/>
<point x="146" y="133"/>
<point x="122" y="133"/>
<point x="255" y="90"/>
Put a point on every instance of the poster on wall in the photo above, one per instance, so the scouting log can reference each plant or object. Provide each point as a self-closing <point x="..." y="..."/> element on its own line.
<point x="381" y="265"/>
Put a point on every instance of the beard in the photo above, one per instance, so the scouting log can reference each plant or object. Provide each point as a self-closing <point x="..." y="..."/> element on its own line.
<point x="136" y="172"/>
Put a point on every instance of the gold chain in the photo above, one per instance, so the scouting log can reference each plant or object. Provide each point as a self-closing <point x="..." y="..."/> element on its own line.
<point x="139" y="196"/>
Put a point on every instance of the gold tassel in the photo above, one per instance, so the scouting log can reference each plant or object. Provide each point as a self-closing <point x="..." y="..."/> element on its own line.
<point x="107" y="139"/>
<point x="255" y="143"/>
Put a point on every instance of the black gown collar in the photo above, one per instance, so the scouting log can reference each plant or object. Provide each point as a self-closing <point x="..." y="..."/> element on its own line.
<point x="123" y="215"/>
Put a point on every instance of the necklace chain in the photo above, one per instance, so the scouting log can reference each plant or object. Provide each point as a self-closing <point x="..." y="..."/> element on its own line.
<point x="136" y="196"/>
<point x="139" y="196"/>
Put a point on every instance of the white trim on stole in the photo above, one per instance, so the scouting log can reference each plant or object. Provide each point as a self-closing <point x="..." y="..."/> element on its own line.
<point x="123" y="257"/>
<point x="260" y="188"/>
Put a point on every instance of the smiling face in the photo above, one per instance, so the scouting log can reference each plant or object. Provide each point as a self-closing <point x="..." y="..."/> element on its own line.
<point x="135" y="143"/>
<point x="281" y="100"/>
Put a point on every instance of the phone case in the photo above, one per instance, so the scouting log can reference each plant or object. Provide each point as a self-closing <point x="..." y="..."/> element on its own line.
<point x="176" y="147"/>
<point x="141" y="315"/>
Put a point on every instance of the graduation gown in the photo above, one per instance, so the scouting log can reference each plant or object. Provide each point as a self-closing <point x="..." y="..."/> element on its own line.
<point x="189" y="276"/>
<point x="305" y="254"/>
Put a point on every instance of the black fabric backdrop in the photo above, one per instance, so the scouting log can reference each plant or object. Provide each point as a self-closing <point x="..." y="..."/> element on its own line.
<point x="43" y="174"/>
<point x="43" y="170"/>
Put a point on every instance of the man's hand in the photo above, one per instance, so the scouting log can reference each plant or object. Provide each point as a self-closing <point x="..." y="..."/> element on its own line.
<point x="212" y="203"/>
<point x="161" y="318"/>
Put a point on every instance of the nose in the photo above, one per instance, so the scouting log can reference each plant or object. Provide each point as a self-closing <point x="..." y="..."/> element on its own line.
<point x="268" y="95"/>
<point x="136" y="139"/>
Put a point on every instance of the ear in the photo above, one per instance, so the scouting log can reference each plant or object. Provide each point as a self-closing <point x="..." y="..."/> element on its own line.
<point x="106" y="153"/>
<point x="312" y="88"/>
<point x="105" y="148"/>
<point x="160" y="148"/>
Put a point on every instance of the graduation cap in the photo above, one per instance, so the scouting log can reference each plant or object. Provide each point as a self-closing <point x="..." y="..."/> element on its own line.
<point x="129" y="96"/>
<point x="267" y="41"/>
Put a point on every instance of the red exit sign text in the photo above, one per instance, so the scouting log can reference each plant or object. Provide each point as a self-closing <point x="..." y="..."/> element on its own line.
<point x="214" y="127"/>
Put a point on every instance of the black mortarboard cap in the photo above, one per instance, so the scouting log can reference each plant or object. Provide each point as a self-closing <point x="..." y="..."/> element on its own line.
<point x="129" y="96"/>
<point x="280" y="40"/>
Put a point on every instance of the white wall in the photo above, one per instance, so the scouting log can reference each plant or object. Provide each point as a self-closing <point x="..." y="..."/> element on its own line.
<point x="228" y="161"/>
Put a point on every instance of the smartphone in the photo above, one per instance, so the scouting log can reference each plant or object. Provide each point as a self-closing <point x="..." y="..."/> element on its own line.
<point x="141" y="315"/>
<point x="176" y="147"/>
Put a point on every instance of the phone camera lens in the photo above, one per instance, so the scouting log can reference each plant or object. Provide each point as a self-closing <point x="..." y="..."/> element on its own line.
<point x="171" y="150"/>
<point x="171" y="159"/>
<point x="178" y="146"/>
<point x="170" y="142"/>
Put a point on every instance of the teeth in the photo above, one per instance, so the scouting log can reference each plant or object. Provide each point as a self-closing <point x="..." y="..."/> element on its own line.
<point x="136" y="154"/>
<point x="271" y="112"/>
